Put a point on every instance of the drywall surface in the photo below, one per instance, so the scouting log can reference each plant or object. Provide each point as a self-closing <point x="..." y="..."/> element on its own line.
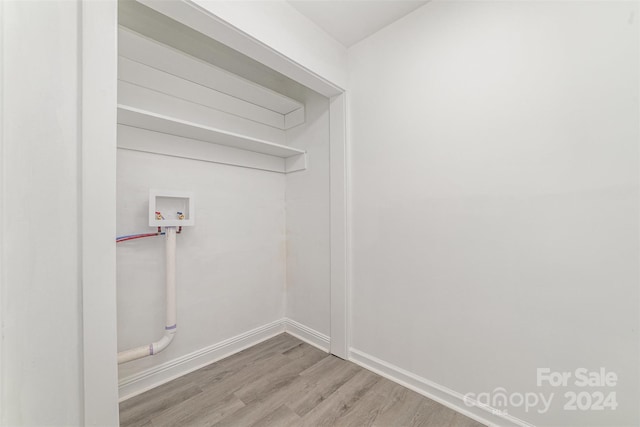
<point x="41" y="306"/>
<point x="98" y="225"/>
<point x="295" y="42"/>
<point x="495" y="199"/>
<point x="280" y="26"/>
<point x="230" y="265"/>
<point x="308" y="220"/>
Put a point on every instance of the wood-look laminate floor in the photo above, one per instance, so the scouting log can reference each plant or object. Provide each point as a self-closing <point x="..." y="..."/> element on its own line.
<point x="285" y="382"/>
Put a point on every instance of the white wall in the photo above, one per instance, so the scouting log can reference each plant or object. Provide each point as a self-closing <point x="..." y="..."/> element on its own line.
<point x="308" y="220"/>
<point x="99" y="97"/>
<point x="286" y="31"/>
<point x="230" y="265"/>
<point x="495" y="197"/>
<point x="41" y="307"/>
<point x="296" y="44"/>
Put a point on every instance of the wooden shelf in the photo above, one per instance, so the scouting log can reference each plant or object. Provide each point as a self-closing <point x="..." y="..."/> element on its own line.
<point x="143" y="119"/>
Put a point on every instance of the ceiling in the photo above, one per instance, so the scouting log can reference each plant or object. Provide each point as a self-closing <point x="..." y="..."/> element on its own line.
<point x="349" y="21"/>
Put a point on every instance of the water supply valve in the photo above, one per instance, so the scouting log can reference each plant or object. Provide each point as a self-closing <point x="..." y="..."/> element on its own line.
<point x="171" y="208"/>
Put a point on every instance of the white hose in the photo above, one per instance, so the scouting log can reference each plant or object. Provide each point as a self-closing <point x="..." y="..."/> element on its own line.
<point x="170" y="323"/>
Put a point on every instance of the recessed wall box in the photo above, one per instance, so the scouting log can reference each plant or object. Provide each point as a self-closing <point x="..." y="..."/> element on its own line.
<point x="171" y="208"/>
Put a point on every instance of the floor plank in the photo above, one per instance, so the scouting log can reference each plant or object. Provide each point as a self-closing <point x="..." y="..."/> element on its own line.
<point x="200" y="410"/>
<point x="341" y="401"/>
<point x="285" y="382"/>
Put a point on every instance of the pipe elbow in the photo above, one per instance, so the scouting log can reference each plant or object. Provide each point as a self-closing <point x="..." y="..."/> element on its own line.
<point x="163" y="342"/>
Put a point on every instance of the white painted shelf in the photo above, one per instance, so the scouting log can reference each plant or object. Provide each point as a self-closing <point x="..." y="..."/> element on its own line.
<point x="148" y="120"/>
<point x="153" y="65"/>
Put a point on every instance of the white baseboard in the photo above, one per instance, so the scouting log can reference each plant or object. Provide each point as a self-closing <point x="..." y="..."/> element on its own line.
<point x="153" y="377"/>
<point x="149" y="378"/>
<point x="306" y="334"/>
<point x="447" y="397"/>
<point x="145" y="380"/>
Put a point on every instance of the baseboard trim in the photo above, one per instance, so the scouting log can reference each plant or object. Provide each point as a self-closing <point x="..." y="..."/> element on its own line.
<point x="140" y="382"/>
<point x="447" y="397"/>
<point x="308" y="335"/>
<point x="153" y="377"/>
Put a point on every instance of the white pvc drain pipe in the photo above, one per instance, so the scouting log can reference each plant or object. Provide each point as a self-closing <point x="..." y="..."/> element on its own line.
<point x="171" y="325"/>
